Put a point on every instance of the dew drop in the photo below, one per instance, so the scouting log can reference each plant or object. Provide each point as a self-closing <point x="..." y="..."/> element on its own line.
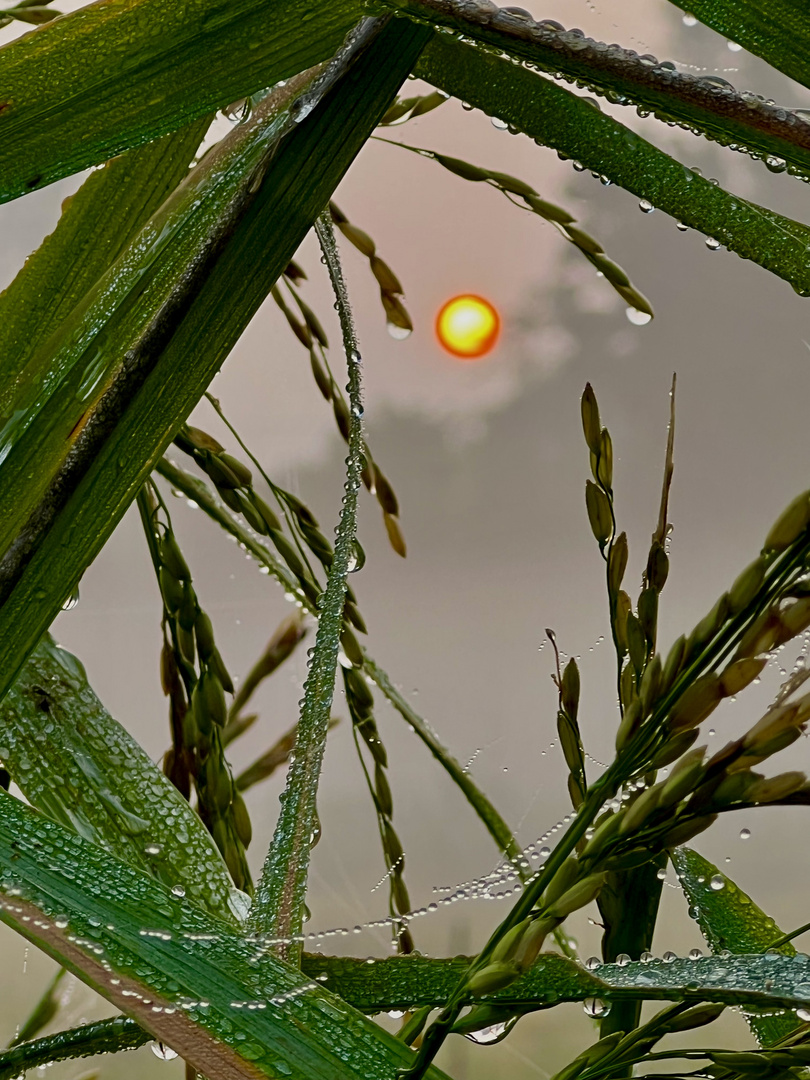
<point x="153" y="850"/>
<point x="544" y="852"/>
<point x="646" y="958"/>
<point x="623" y="959"/>
<point x="712" y="244"/>
<point x="160" y="1050"/>
<point x="486" y="1035"/>
<point x="745" y="834"/>
<point x="398" y="333"/>
<point x="496" y="122"/>
<point x="803" y="1014"/>
<point x="669" y="957"/>
<point x="718" y="882"/>
<point x="661" y="875"/>
<point x="689" y="20"/>
<point x="679" y="225"/>
<point x="733" y="46"/>
<point x="638" y="318"/>
<point x="71" y="601"/>
<point x="695" y="954"/>
<point x="178" y="891"/>
<point x="592" y="963"/>
<point x="645" y="206"/>
<point x="596" y="1008"/>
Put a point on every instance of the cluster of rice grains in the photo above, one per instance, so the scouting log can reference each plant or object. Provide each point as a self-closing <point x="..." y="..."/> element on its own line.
<point x="308" y="331"/>
<point x="524" y="196"/>
<point x="195" y="680"/>
<point x="628" y="817"/>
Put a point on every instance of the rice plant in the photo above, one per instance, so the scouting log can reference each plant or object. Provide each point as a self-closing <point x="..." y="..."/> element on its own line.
<point x="137" y="879"/>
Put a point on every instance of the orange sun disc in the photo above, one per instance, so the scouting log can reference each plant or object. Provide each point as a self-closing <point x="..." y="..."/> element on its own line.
<point x="468" y="326"/>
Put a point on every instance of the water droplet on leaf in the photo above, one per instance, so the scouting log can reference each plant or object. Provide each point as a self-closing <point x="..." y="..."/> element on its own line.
<point x="596" y="1008"/>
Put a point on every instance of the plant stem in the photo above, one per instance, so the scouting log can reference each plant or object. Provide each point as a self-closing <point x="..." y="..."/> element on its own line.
<point x="279" y="905"/>
<point x="604" y="787"/>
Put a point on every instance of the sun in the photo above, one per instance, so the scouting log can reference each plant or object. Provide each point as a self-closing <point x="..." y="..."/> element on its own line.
<point x="468" y="326"/>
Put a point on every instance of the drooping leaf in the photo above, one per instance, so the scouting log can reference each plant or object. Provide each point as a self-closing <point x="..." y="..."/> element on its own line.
<point x="171" y="352"/>
<point x="731" y="922"/>
<point x="74" y="762"/>
<point x="189" y="981"/>
<point x="117" y="74"/>
<point x="561" y="120"/>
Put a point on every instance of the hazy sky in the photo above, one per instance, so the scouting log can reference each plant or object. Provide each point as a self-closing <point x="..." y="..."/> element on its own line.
<point x="490" y="465"/>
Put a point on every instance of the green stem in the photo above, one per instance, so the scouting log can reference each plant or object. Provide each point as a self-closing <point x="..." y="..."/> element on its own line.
<point x="436" y="1034"/>
<point x="785" y="938"/>
<point x="279" y="905"/>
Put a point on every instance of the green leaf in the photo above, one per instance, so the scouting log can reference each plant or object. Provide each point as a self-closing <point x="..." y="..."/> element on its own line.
<point x="182" y="975"/>
<point x="731" y="922"/>
<point x="559" y="119"/>
<point x="778" y="31"/>
<point x="703" y="104"/>
<point x="73" y="761"/>
<point x="413" y="982"/>
<point x="43" y="1012"/>
<point x="158" y="328"/>
<point x="410" y="982"/>
<point x="96" y="226"/>
<point x="117" y="74"/>
<point x="103" y="1037"/>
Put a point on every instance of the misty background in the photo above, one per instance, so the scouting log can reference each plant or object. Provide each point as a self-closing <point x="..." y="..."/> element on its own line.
<point x="489" y="464"/>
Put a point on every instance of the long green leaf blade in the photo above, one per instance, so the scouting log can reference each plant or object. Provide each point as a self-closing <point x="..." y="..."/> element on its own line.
<point x="188" y="981"/>
<point x="557" y="118"/>
<point x="405" y="982"/>
<point x="73" y="761"/>
<point x="413" y="982"/>
<point x="103" y="1037"/>
<point x="705" y="105"/>
<point x="96" y="225"/>
<point x="119" y="73"/>
<point x="731" y="921"/>
<point x="308" y="164"/>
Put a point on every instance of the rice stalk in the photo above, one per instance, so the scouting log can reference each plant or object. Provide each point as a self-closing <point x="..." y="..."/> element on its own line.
<point x="524" y="196"/>
<point x="199" y="493"/>
<point x="307" y="329"/>
<point x="765" y="608"/>
<point x="195" y="680"/>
